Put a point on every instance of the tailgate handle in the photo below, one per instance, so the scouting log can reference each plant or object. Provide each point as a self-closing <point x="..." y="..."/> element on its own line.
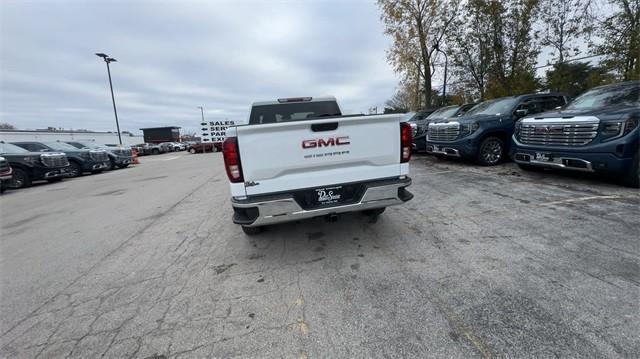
<point x="319" y="127"/>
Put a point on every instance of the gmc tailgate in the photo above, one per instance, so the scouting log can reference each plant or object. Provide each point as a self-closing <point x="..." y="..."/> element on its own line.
<point x="285" y="156"/>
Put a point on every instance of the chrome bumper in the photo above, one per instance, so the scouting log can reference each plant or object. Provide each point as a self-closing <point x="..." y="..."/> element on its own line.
<point x="286" y="209"/>
<point x="100" y="166"/>
<point x="566" y="163"/>
<point x="443" y="150"/>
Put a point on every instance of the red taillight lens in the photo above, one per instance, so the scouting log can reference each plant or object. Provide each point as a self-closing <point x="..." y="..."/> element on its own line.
<point x="231" y="154"/>
<point x="406" y="139"/>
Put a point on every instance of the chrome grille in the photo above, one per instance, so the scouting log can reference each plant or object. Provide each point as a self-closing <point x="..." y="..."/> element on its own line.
<point x="558" y="134"/>
<point x="4" y="165"/>
<point x="445" y="132"/>
<point x="99" y="156"/>
<point x="54" y="160"/>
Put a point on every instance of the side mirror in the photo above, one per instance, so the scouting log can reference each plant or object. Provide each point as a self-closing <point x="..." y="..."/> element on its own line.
<point x="521" y="113"/>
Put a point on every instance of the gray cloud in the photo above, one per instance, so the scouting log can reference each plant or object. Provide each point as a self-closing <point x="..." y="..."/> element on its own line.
<point x="176" y="55"/>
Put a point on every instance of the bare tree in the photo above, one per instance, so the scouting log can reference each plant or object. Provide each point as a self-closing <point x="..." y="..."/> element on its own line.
<point x="7" y="126"/>
<point x="417" y="28"/>
<point x="564" y="22"/>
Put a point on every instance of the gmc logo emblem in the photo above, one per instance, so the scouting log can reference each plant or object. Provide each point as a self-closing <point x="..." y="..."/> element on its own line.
<point x="321" y="142"/>
<point x="549" y="129"/>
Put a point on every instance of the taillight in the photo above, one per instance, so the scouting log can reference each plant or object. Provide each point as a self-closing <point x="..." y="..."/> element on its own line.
<point x="231" y="154"/>
<point x="406" y="139"/>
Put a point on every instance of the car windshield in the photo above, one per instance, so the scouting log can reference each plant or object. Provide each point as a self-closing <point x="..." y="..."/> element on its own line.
<point x="444" y="112"/>
<point x="9" y="148"/>
<point x="410" y="116"/>
<point x="60" y="146"/>
<point x="493" y="107"/>
<point x="607" y="96"/>
<point x="298" y="111"/>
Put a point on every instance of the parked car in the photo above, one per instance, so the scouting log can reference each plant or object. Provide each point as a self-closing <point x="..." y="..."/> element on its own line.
<point x="140" y="148"/>
<point x="168" y="146"/>
<point x="596" y="132"/>
<point x="180" y="146"/>
<point x="6" y="173"/>
<point x="484" y="132"/>
<point x="33" y="166"/>
<point x="119" y="157"/>
<point x="80" y="160"/>
<point x="151" y="149"/>
<point x="300" y="158"/>
<point x="205" y="147"/>
<point x="420" y="134"/>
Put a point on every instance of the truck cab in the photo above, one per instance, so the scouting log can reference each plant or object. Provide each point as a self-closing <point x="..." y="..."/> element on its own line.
<point x="597" y="132"/>
<point x="483" y="132"/>
<point x="80" y="160"/>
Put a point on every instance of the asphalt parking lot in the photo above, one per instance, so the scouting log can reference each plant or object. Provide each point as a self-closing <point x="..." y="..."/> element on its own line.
<point x="483" y="262"/>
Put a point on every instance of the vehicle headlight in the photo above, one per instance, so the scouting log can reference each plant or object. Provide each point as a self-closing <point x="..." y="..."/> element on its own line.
<point x="615" y="129"/>
<point x="31" y="160"/>
<point x="468" y="128"/>
<point x="516" y="128"/>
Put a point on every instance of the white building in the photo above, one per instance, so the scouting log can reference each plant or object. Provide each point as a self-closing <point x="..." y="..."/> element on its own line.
<point x="106" y="138"/>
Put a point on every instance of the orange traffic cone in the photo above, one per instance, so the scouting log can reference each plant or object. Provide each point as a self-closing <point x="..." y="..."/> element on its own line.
<point x="134" y="154"/>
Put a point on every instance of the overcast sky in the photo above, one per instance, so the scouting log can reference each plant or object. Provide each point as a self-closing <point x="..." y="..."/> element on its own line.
<point x="176" y="55"/>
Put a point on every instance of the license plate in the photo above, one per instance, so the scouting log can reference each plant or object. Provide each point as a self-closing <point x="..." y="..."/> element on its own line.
<point x="545" y="157"/>
<point x="328" y="195"/>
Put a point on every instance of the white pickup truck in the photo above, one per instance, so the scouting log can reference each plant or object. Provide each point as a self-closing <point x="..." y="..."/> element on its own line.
<point x="300" y="158"/>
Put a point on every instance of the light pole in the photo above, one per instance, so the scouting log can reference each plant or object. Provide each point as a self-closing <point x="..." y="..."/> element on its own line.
<point x="444" y="86"/>
<point x="201" y="124"/>
<point x="109" y="60"/>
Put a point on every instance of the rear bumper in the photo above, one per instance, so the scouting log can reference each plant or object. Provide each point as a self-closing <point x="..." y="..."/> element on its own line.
<point x="271" y="209"/>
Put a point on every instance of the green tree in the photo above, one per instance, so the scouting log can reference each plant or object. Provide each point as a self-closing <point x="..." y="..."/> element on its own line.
<point x="574" y="78"/>
<point x="494" y="49"/>
<point x="620" y="34"/>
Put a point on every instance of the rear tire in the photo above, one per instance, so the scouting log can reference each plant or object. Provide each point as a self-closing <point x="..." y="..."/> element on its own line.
<point x="192" y="151"/>
<point x="155" y="151"/>
<point x="491" y="151"/>
<point x="632" y="176"/>
<point x="20" y="179"/>
<point x="251" y="231"/>
<point x="112" y="165"/>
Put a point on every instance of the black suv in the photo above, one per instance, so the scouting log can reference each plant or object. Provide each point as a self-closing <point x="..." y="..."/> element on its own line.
<point x="484" y="132"/>
<point x="33" y="166"/>
<point x="80" y="161"/>
<point x="119" y="157"/>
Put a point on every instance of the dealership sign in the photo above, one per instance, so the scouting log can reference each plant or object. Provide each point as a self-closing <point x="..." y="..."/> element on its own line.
<point x="214" y="131"/>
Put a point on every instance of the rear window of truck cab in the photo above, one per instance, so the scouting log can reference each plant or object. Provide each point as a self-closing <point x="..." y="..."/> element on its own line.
<point x="299" y="111"/>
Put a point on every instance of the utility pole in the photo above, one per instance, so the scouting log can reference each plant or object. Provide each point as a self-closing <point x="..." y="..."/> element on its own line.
<point x="201" y="124"/>
<point x="109" y="60"/>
